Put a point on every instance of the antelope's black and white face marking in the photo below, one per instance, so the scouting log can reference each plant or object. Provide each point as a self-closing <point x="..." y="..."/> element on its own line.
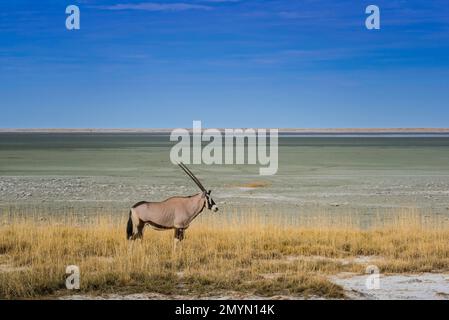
<point x="210" y="202"/>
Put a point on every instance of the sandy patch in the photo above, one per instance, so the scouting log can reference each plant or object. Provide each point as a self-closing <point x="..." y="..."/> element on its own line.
<point x="426" y="286"/>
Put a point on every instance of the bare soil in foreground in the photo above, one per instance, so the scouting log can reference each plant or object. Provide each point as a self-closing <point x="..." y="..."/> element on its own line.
<point x="427" y="286"/>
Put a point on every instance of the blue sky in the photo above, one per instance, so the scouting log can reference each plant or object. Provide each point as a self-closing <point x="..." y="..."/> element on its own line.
<point x="229" y="63"/>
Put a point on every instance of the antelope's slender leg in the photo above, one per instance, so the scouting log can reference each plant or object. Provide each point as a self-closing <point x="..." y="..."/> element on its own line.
<point x="140" y="228"/>
<point x="136" y="224"/>
<point x="175" y="240"/>
<point x="179" y="236"/>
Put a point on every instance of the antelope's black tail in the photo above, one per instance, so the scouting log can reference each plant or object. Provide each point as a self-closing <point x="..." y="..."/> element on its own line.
<point x="129" y="227"/>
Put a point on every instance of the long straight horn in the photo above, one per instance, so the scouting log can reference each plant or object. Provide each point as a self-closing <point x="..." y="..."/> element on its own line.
<point x="192" y="176"/>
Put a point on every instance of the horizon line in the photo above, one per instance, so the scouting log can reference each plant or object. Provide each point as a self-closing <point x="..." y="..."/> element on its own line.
<point x="281" y="130"/>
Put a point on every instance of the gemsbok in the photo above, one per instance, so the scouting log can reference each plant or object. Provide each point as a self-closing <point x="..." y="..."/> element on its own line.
<point x="174" y="213"/>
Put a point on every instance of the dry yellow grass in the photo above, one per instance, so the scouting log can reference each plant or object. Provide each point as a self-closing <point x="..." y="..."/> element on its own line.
<point x="250" y="254"/>
<point x="255" y="184"/>
<point x="250" y="185"/>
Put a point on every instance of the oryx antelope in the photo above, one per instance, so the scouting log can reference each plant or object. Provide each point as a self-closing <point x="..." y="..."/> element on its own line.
<point x="174" y="213"/>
